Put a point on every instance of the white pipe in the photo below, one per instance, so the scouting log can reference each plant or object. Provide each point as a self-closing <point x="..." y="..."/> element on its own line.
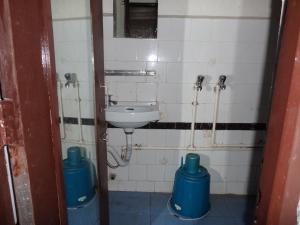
<point x="124" y="159"/>
<point x="61" y="110"/>
<point x="79" y="112"/>
<point x="194" y="115"/>
<point x="232" y="147"/>
<point x="215" y="119"/>
<point x="215" y="114"/>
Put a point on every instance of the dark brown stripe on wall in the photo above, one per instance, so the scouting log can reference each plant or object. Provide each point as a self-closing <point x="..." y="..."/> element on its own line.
<point x="179" y="125"/>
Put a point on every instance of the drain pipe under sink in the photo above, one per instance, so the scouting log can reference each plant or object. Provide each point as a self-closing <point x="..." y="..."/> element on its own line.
<point x="123" y="159"/>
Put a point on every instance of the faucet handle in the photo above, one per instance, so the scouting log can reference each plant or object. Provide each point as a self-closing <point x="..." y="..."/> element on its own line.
<point x="221" y="82"/>
<point x="199" y="82"/>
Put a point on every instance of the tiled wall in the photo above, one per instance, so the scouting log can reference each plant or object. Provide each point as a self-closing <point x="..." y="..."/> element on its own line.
<point x="185" y="48"/>
<point x="73" y="54"/>
<point x="205" y="39"/>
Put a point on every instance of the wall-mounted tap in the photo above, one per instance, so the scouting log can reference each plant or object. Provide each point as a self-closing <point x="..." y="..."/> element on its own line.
<point x="199" y="82"/>
<point x="71" y="79"/>
<point x="110" y="101"/>
<point x="221" y="82"/>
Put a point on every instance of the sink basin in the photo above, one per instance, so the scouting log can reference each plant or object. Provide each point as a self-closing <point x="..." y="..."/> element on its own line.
<point x="131" y="116"/>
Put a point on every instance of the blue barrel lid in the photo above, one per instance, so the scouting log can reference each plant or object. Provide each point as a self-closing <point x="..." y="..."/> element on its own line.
<point x="192" y="168"/>
<point x="75" y="160"/>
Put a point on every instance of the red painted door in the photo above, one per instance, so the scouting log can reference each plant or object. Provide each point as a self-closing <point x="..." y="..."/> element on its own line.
<point x="29" y="126"/>
<point x="97" y="29"/>
<point x="280" y="183"/>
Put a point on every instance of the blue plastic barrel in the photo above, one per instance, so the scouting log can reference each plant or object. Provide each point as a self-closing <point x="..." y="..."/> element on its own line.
<point x="190" y="196"/>
<point x="79" y="178"/>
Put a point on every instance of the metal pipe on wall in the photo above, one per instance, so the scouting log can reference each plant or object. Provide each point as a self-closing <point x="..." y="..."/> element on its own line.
<point x="194" y="116"/>
<point x="61" y="110"/>
<point x="79" y="113"/>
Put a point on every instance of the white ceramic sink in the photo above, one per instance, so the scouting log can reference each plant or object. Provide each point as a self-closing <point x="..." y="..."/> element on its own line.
<point x="131" y="115"/>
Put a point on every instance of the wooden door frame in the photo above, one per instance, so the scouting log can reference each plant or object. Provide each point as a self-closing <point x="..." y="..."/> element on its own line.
<point x="28" y="78"/>
<point x="100" y="123"/>
<point x="280" y="183"/>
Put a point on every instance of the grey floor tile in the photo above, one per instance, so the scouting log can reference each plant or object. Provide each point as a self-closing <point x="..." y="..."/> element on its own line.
<point x="130" y="202"/>
<point x="168" y="219"/>
<point x="158" y="203"/>
<point x="136" y="208"/>
<point x="209" y="220"/>
<point x="127" y="218"/>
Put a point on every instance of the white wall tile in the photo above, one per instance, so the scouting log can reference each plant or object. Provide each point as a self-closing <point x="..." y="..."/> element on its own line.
<point x="164" y="186"/>
<point x="242" y="73"/>
<point x="241" y="52"/>
<point x="186" y="48"/>
<point x="145" y="186"/>
<point x="160" y="69"/>
<point x="187" y="72"/>
<point x="140" y="137"/>
<point x="249" y="30"/>
<point x="108" y="27"/>
<point x="122" y="173"/>
<point x="108" y="6"/>
<point x="205" y="157"/>
<point x="170" y="51"/>
<point x="231" y="8"/>
<point x="157" y="137"/>
<point x="170" y="172"/>
<point x="86" y="90"/>
<point x="109" y="49"/>
<point x="116" y="137"/>
<point x="72" y="132"/>
<point x="146" y="92"/>
<point x="194" y="51"/>
<point x="87" y="109"/>
<point x="70" y="9"/>
<point x="126" y="49"/>
<point x="155" y="173"/>
<point x="178" y="112"/>
<point x="137" y="172"/>
<point x="88" y="133"/>
<point x="217" y="188"/>
<point x="76" y="51"/>
<point x="240" y="188"/>
<point x="113" y="185"/>
<point x="205" y="113"/>
<point x="146" y="157"/>
<point x="83" y="70"/>
<point x="176" y="138"/>
<point x="169" y="93"/>
<point x="173" y="29"/>
<point x="126" y="92"/>
<point x="218" y="173"/>
<point x="202" y="138"/>
<point x="147" y="50"/>
<point x="166" y="157"/>
<point x="127" y="186"/>
<point x="70" y="108"/>
<point x="201" y="29"/>
<point x="219" y="157"/>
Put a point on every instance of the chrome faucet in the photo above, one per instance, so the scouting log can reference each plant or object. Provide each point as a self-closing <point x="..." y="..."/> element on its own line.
<point x="221" y="82"/>
<point x="199" y="82"/>
<point x="110" y="101"/>
<point x="71" y="79"/>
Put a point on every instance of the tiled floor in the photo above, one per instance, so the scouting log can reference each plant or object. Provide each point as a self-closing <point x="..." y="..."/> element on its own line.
<point x="136" y="208"/>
